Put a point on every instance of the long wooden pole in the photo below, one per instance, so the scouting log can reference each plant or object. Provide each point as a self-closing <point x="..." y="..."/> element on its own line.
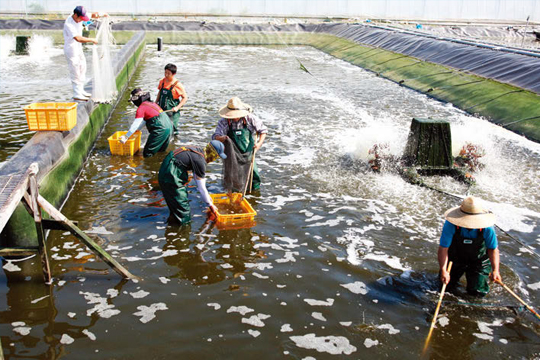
<point x="250" y="175"/>
<point x="42" y="247"/>
<point x="434" y="321"/>
<point x="518" y="298"/>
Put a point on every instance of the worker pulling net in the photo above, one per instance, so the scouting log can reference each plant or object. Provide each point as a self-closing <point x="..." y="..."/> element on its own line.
<point x="236" y="168"/>
<point x="104" y="87"/>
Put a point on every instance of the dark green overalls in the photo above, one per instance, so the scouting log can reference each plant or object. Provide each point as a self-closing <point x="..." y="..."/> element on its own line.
<point x="470" y="257"/>
<point x="167" y="102"/>
<point x="160" y="131"/>
<point x="245" y="142"/>
<point x="173" y="178"/>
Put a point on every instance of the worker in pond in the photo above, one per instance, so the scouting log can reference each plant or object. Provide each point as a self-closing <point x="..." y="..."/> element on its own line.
<point x="173" y="177"/>
<point x="73" y="40"/>
<point x="242" y="127"/>
<point x="171" y="96"/>
<point x="468" y="239"/>
<point x="157" y="122"/>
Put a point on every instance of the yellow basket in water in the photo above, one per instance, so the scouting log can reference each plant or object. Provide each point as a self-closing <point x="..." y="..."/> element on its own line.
<point x="244" y="215"/>
<point x="129" y="148"/>
<point x="51" y="116"/>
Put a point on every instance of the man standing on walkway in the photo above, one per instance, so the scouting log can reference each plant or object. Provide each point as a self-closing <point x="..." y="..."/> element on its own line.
<point x="73" y="50"/>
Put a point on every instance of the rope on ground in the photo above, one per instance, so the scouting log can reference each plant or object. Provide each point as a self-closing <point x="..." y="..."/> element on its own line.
<point x="495" y="98"/>
<point x="528" y="247"/>
<point x="513" y="122"/>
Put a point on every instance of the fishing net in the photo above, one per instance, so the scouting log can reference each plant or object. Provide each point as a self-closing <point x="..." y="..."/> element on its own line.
<point x="104" y="87"/>
<point x="235" y="168"/>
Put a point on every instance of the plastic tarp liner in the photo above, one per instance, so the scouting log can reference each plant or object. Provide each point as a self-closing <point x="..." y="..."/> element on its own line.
<point x="522" y="71"/>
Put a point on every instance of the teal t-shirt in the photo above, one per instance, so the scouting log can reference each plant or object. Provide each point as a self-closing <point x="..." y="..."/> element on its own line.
<point x="449" y="230"/>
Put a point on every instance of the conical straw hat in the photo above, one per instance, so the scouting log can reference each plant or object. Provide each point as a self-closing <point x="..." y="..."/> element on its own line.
<point x="470" y="214"/>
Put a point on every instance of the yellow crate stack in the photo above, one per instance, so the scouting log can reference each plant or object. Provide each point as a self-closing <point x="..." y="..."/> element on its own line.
<point x="51" y="116"/>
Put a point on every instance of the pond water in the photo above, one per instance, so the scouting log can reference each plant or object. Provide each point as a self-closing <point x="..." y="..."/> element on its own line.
<point x="342" y="261"/>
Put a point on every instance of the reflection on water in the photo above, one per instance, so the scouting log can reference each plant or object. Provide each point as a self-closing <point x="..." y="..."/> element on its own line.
<point x="339" y="256"/>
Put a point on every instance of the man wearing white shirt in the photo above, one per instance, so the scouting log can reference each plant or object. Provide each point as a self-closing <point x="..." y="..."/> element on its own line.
<point x="73" y="50"/>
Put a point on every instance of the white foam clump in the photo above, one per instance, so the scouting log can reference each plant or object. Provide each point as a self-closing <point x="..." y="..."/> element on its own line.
<point x="329" y="223"/>
<point x="138" y="200"/>
<point x="20" y="328"/>
<point x="335" y="345"/>
<point x="254" y="333"/>
<point x="102" y="308"/>
<point x="243" y="310"/>
<point x="390" y="328"/>
<point x="256" y="274"/>
<point x="35" y="301"/>
<point x="356" y="287"/>
<point x="282" y="200"/>
<point x="147" y="313"/>
<point x="164" y="280"/>
<point x="166" y="253"/>
<point x="11" y="267"/>
<point x="112" y="293"/>
<point x="255" y="320"/>
<point x="216" y="306"/>
<point x="318" y="316"/>
<point x="71" y="314"/>
<point x="289" y="257"/>
<point x="443" y="321"/>
<point x="139" y="294"/>
<point x="90" y="335"/>
<point x="286" y="328"/>
<point x="258" y="266"/>
<point x="392" y="261"/>
<point x="313" y="302"/>
<point x="345" y="323"/>
<point x="66" y="339"/>
<point x="100" y="230"/>
<point x="369" y="342"/>
<point x="535" y="286"/>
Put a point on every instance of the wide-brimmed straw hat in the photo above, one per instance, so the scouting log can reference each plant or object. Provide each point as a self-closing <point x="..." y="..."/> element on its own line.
<point x="235" y="109"/>
<point x="470" y="214"/>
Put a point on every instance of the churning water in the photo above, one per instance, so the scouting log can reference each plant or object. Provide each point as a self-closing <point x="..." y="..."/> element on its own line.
<point x="342" y="261"/>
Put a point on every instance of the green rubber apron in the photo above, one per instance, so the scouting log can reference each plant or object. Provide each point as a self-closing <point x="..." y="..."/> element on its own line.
<point x="173" y="178"/>
<point x="245" y="142"/>
<point x="160" y="131"/>
<point x="167" y="102"/>
<point x="470" y="257"/>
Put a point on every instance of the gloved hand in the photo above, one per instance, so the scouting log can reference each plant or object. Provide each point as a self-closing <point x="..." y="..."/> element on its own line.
<point x="123" y="139"/>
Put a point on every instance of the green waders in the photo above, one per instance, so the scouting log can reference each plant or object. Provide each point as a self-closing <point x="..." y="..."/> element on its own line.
<point x="167" y="102"/>
<point x="470" y="257"/>
<point x="245" y="143"/>
<point x="160" y="129"/>
<point x="172" y="180"/>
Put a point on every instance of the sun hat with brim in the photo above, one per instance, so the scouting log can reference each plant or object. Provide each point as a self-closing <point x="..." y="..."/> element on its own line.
<point x="470" y="214"/>
<point x="235" y="109"/>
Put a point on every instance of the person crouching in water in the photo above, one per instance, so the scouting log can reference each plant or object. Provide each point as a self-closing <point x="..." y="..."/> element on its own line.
<point x="171" y="96"/>
<point x="242" y="127"/>
<point x="157" y="122"/>
<point x="173" y="177"/>
<point x="468" y="239"/>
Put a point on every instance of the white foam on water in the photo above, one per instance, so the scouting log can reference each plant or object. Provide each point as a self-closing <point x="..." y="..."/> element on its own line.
<point x="329" y="223"/>
<point x="483" y="336"/>
<point x="535" y="286"/>
<point x="289" y="257"/>
<point x="11" y="267"/>
<point x="148" y="313"/>
<point x="137" y="200"/>
<point x="112" y="293"/>
<point x="243" y="310"/>
<point x="345" y="323"/>
<point x="389" y="327"/>
<point x="255" y="320"/>
<point x="259" y="266"/>
<point x="356" y="287"/>
<point x="71" y="314"/>
<point x="82" y="254"/>
<point x="335" y="345"/>
<point x="318" y="316"/>
<point x="139" y="294"/>
<point x="443" y="321"/>
<point x="90" y="335"/>
<point x="392" y="261"/>
<point x="66" y="339"/>
<point x="504" y="341"/>
<point x="102" y="308"/>
<point x="226" y="266"/>
<point x="369" y="342"/>
<point x="256" y="274"/>
<point x="164" y="280"/>
<point x="216" y="306"/>
<point x="313" y="302"/>
<point x="100" y="230"/>
<point x="286" y="328"/>
<point x="254" y="333"/>
<point x="22" y="330"/>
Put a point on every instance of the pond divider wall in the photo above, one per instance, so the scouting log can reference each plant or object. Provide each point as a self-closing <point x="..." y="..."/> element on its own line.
<point x="61" y="155"/>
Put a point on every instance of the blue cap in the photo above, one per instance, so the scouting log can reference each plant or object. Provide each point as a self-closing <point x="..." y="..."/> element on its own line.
<point x="219" y="147"/>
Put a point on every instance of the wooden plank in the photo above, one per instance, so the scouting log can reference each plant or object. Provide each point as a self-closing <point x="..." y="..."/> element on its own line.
<point x="39" y="227"/>
<point x="57" y="215"/>
<point x="18" y="251"/>
<point x="8" y="206"/>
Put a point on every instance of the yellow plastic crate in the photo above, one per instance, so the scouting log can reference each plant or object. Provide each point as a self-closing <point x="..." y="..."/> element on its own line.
<point x="51" y="116"/>
<point x="129" y="148"/>
<point x="245" y="216"/>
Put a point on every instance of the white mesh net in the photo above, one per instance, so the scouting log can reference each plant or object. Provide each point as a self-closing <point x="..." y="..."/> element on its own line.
<point x="104" y="87"/>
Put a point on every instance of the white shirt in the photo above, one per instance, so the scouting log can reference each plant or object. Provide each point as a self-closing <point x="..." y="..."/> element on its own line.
<point x="72" y="29"/>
